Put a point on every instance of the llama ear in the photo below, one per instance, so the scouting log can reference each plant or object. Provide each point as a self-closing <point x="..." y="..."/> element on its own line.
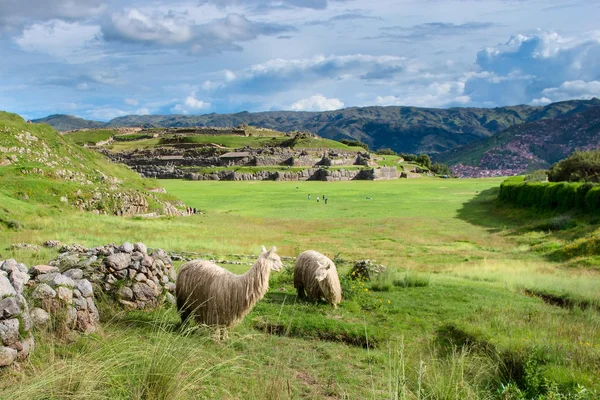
<point x="263" y="249"/>
<point x="274" y="249"/>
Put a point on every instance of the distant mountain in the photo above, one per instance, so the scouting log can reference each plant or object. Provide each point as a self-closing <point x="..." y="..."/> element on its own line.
<point x="528" y="146"/>
<point x="62" y="122"/>
<point x="405" y="129"/>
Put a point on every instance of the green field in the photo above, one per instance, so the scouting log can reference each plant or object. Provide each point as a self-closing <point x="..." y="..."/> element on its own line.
<point x="462" y="313"/>
<point x="90" y="137"/>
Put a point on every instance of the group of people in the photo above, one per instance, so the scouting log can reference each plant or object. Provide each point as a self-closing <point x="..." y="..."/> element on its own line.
<point x="191" y="211"/>
<point x="324" y="198"/>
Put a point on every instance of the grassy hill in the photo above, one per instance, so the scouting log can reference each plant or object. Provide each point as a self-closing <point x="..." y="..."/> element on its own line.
<point x="532" y="145"/>
<point x="404" y="129"/>
<point x="39" y="167"/>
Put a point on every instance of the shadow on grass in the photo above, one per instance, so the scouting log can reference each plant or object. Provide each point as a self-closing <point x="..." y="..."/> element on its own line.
<point x="481" y="211"/>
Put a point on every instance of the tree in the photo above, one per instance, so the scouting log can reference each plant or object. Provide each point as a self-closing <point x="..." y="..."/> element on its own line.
<point x="440" y="169"/>
<point x="581" y="166"/>
<point x="424" y="160"/>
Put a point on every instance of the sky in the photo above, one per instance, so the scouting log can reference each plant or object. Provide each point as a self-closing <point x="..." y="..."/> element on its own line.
<point x="101" y="59"/>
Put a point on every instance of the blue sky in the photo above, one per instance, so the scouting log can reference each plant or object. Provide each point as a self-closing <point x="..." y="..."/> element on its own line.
<point x="100" y="59"/>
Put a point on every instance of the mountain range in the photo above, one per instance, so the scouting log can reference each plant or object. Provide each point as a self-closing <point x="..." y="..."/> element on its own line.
<point x="504" y="138"/>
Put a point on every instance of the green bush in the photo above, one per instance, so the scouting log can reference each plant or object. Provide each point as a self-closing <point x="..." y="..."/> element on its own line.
<point x="440" y="169"/>
<point x="385" y="152"/>
<point x="562" y="196"/>
<point x="581" y="166"/>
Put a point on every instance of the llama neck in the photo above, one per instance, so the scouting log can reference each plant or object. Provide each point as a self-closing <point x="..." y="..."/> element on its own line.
<point x="256" y="281"/>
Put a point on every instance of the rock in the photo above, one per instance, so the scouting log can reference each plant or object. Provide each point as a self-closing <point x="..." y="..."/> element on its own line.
<point x="39" y="317"/>
<point x="172" y="273"/>
<point x="141" y="278"/>
<point x="6" y="288"/>
<point x="131" y="273"/>
<point x="7" y="356"/>
<point x="125" y="293"/>
<point x="141" y="247"/>
<point x="158" y="264"/>
<point x="126" y="247"/>
<point x="147" y="261"/>
<point x="170" y="287"/>
<point x="128" y="305"/>
<point x="120" y="275"/>
<point x="143" y="292"/>
<point x="137" y="256"/>
<point x="27" y="346"/>
<point x="47" y="278"/>
<point x="42" y="269"/>
<point x="9" y="308"/>
<point x="366" y="269"/>
<point x="85" y="287"/>
<point x="170" y="299"/>
<point x="118" y="261"/>
<point x="61" y="280"/>
<point x="110" y="279"/>
<point x="65" y="294"/>
<point x="71" y="319"/>
<point x="9" y="265"/>
<point x="18" y="279"/>
<point x="93" y="310"/>
<point x="80" y="303"/>
<point x="9" y="331"/>
<point x="51" y="244"/>
<point x="43" y="291"/>
<point x="74" y="273"/>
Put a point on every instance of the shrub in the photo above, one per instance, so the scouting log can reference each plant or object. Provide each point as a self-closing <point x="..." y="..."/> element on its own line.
<point x="408" y="157"/>
<point x="440" y="169"/>
<point x="581" y="166"/>
<point x="424" y="160"/>
<point x="540" y="175"/>
<point x="385" y="152"/>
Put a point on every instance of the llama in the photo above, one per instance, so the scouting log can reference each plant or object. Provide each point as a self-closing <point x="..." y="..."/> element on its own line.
<point x="216" y="297"/>
<point x="316" y="274"/>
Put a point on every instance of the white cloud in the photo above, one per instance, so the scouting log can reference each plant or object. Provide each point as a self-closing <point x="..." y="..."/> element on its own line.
<point x="57" y="38"/>
<point x="573" y="90"/>
<point x="435" y="94"/>
<point x="317" y="103"/>
<point x="530" y="67"/>
<point x="15" y="13"/>
<point x="104" y="113"/>
<point x="135" y="26"/>
<point x="142" y="111"/>
<point x="190" y="104"/>
<point x="131" y="102"/>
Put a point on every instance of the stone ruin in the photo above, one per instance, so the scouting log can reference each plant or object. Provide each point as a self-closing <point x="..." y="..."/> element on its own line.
<point x="127" y="273"/>
<point x="41" y="297"/>
<point x="366" y="270"/>
<point x="16" y="340"/>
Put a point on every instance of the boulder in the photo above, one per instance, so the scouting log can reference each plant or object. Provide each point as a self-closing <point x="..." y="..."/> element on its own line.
<point x="7" y="356"/>
<point x="125" y="293"/>
<point x="9" y="308"/>
<point x="43" y="291"/>
<point x="85" y="287"/>
<point x="126" y="247"/>
<point x="141" y="247"/>
<point x="6" y="288"/>
<point x="143" y="292"/>
<point x="74" y="273"/>
<point x="39" y="317"/>
<point x="42" y="269"/>
<point x="9" y="332"/>
<point x="118" y="261"/>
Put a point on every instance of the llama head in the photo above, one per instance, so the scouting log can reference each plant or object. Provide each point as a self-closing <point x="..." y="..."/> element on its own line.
<point x="322" y="271"/>
<point x="272" y="258"/>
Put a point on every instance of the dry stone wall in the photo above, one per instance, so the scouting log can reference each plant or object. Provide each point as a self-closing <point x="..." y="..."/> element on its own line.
<point x="128" y="273"/>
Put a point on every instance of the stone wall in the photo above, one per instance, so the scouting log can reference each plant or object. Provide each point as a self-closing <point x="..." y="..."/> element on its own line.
<point x="310" y="174"/>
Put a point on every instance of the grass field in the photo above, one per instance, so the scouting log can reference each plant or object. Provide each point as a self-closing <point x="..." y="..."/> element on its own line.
<point x="467" y="309"/>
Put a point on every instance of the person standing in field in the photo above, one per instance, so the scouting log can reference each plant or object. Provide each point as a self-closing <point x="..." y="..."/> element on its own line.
<point x="309" y="196"/>
<point x="317" y="199"/>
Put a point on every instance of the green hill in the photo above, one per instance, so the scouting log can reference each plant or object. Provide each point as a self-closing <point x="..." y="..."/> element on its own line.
<point x="404" y="129"/>
<point x="39" y="167"/>
<point x="528" y="146"/>
<point x="62" y="122"/>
